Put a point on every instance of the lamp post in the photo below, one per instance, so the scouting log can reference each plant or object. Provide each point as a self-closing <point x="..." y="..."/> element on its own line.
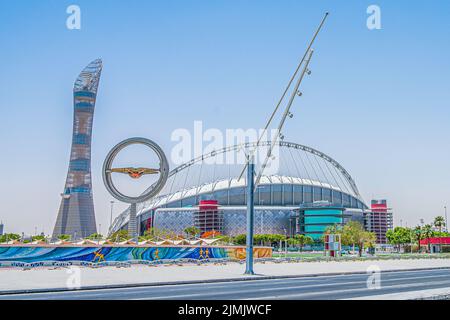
<point x="446" y="222"/>
<point x="250" y="217"/>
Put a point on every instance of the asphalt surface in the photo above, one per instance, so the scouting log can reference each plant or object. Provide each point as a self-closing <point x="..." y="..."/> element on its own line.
<point x="318" y="287"/>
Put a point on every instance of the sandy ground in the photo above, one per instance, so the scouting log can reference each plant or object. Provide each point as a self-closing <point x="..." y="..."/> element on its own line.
<point x="41" y="278"/>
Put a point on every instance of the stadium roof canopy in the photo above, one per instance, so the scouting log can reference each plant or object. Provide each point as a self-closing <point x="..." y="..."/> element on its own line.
<point x="292" y="164"/>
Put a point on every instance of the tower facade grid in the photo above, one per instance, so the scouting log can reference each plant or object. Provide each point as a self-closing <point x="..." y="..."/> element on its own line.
<point x="76" y="215"/>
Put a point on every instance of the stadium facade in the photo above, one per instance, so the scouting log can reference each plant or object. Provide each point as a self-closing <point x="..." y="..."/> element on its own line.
<point x="309" y="192"/>
<point x="76" y="215"/>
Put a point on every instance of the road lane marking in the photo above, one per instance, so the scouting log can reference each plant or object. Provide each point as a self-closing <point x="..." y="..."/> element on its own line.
<point x="211" y="286"/>
<point x="284" y="288"/>
<point x="320" y="293"/>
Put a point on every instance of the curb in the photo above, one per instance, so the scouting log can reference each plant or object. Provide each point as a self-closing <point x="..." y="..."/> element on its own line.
<point x="174" y="283"/>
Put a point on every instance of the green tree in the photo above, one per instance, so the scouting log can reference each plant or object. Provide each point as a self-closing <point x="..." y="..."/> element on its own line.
<point x="399" y="236"/>
<point x="391" y="237"/>
<point x="293" y="241"/>
<point x="427" y="232"/>
<point x="9" y="237"/>
<point x="303" y="240"/>
<point x="191" y="231"/>
<point x="349" y="233"/>
<point x="64" y="237"/>
<point x="367" y="239"/>
<point x="259" y="238"/>
<point x="119" y="236"/>
<point x="155" y="234"/>
<point x="353" y="233"/>
<point x="439" y="222"/>
<point x="39" y="238"/>
<point x="240" y="239"/>
<point x="95" y="236"/>
<point x="441" y="234"/>
<point x="267" y="239"/>
<point x="225" y="239"/>
<point x="418" y="233"/>
<point x="334" y="229"/>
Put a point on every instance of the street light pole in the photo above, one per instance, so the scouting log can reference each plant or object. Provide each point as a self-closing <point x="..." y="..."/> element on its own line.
<point x="446" y="222"/>
<point x="250" y="216"/>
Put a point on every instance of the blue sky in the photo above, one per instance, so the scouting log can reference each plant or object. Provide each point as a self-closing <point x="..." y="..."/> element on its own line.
<point x="377" y="101"/>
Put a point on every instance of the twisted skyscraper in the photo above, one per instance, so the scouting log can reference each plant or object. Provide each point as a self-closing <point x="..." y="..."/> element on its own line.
<point x="76" y="215"/>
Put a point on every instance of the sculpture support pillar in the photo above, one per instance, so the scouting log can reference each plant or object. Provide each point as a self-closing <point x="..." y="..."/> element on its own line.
<point x="132" y="225"/>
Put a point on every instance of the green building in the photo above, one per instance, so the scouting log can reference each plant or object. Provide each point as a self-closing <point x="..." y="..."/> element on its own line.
<point x="313" y="219"/>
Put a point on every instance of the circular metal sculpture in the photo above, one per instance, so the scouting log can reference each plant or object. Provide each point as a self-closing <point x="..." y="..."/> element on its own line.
<point x="135" y="173"/>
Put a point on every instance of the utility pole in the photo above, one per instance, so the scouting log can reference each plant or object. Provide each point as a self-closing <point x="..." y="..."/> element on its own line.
<point x="446" y="222"/>
<point x="132" y="223"/>
<point x="250" y="217"/>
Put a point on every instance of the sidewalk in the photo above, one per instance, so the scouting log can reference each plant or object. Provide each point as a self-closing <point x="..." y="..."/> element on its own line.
<point x="41" y="279"/>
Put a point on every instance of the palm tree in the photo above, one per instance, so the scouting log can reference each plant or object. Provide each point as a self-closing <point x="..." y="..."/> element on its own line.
<point x="428" y="233"/>
<point x="439" y="222"/>
<point x="419" y="235"/>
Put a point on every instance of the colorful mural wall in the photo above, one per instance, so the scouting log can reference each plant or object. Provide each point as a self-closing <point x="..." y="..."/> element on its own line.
<point x="32" y="254"/>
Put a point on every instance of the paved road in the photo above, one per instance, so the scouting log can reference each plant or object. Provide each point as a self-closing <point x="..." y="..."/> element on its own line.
<point x="320" y="287"/>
